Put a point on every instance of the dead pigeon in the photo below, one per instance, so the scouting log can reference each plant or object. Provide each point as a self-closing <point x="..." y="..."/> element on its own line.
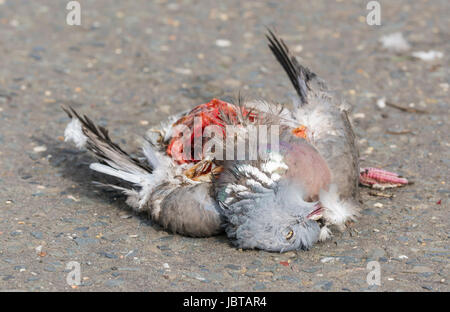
<point x="285" y="199"/>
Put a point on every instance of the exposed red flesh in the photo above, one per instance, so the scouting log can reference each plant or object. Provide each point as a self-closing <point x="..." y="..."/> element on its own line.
<point x="316" y="212"/>
<point x="208" y="114"/>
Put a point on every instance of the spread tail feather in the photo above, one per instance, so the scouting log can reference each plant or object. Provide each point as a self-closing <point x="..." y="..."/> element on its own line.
<point x="84" y="133"/>
<point x="114" y="161"/>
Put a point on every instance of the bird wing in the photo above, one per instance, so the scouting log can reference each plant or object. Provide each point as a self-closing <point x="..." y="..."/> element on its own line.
<point x="173" y="200"/>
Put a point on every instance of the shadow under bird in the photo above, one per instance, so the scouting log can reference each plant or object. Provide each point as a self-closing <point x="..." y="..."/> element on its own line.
<point x="287" y="198"/>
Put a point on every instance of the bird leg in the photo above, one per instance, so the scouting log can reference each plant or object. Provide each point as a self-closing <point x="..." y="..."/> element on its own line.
<point x="380" y="179"/>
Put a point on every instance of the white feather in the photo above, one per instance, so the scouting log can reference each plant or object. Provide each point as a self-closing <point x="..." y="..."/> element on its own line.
<point x="165" y="128"/>
<point x="235" y="188"/>
<point x="325" y="233"/>
<point x="316" y="121"/>
<point x="274" y="164"/>
<point x="269" y="108"/>
<point x="130" y="177"/>
<point x="275" y="177"/>
<point x="163" y="171"/>
<point x="253" y="172"/>
<point x="74" y="133"/>
<point x="336" y="210"/>
<point x="153" y="157"/>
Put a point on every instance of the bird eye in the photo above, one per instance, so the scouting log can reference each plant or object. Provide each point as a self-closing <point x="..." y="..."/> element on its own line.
<point x="289" y="235"/>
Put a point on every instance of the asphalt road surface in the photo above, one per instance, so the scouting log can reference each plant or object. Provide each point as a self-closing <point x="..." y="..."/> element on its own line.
<point x="132" y="63"/>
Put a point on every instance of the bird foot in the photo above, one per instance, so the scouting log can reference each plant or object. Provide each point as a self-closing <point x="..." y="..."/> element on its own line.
<point x="380" y="179"/>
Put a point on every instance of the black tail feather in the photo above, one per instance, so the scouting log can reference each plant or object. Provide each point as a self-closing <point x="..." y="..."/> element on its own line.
<point x="101" y="145"/>
<point x="298" y="74"/>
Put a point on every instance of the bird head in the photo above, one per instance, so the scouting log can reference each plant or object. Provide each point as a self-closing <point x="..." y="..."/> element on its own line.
<point x="278" y="220"/>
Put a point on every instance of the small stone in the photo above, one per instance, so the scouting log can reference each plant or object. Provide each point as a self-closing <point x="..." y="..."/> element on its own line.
<point x="14" y="23"/>
<point x="49" y="268"/>
<point x="298" y="48"/>
<point x="71" y="197"/>
<point x="403" y="238"/>
<point x="169" y="276"/>
<point x="291" y="279"/>
<point x="82" y="229"/>
<point x="183" y="71"/>
<point x="173" y="6"/>
<point x="378" y="205"/>
<point x="114" y="282"/>
<point x="324" y="285"/>
<point x="369" y="150"/>
<point x="109" y="255"/>
<point x="381" y="103"/>
<point x="127" y="269"/>
<point x="327" y="259"/>
<point x="377" y="253"/>
<point x="349" y="259"/>
<point x="37" y="235"/>
<point x="310" y="270"/>
<point x="198" y="277"/>
<point x="16" y="233"/>
<point x="369" y="212"/>
<point x="233" y="267"/>
<point x="428" y="56"/>
<point x="290" y="254"/>
<point x="8" y="277"/>
<point x="421" y="269"/>
<point x="99" y="223"/>
<point x="223" y="43"/>
<point x="395" y="42"/>
<point x="259" y="286"/>
<point x="40" y="149"/>
<point x="82" y="242"/>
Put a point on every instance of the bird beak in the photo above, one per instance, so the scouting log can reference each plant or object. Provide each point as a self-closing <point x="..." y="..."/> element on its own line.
<point x="316" y="214"/>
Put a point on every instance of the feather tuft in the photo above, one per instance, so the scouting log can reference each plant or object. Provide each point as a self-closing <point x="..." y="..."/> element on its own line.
<point x="336" y="210"/>
<point x="74" y="133"/>
<point x="325" y="233"/>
